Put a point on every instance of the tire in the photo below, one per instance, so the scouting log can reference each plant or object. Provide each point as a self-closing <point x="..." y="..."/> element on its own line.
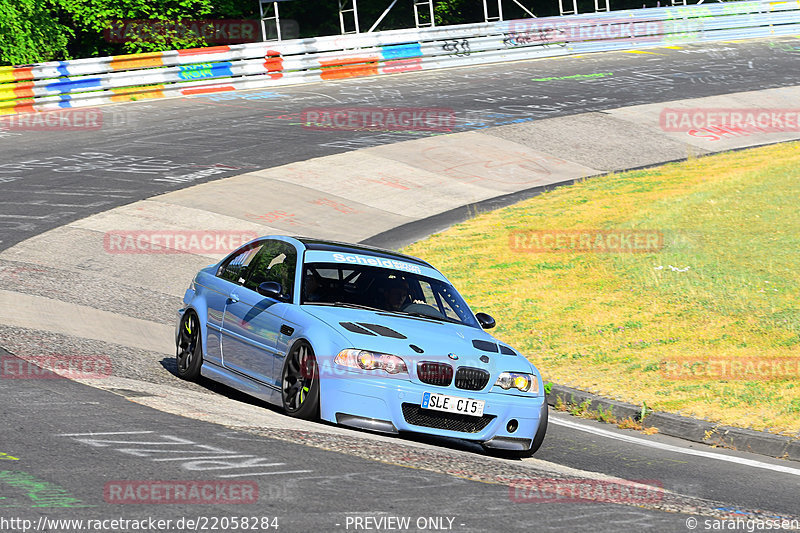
<point x="189" y="349"/>
<point x="300" y="382"/>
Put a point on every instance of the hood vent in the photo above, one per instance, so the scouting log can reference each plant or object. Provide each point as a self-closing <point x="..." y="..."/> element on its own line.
<point x="372" y="329"/>
<point x="505" y="350"/>
<point x="383" y="331"/>
<point x="485" y="346"/>
<point x="349" y="326"/>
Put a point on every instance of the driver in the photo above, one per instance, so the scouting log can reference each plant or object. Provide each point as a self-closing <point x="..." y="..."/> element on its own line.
<point x="396" y="293"/>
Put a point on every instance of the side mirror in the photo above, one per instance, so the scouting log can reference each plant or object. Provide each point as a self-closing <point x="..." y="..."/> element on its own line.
<point x="486" y="321"/>
<point x="271" y="289"/>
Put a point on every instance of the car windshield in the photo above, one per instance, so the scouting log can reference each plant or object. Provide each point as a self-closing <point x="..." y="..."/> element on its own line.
<point x="383" y="289"/>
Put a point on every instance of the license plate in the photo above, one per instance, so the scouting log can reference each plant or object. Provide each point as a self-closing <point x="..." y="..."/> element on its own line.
<point x="452" y="404"/>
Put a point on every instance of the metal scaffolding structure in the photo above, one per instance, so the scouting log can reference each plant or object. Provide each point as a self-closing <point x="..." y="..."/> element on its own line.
<point x="497" y="15"/>
<point x="270" y="13"/>
<point x="424" y="15"/>
<point x="349" y="8"/>
<point x="572" y="7"/>
<point x="419" y="9"/>
<point x="683" y="2"/>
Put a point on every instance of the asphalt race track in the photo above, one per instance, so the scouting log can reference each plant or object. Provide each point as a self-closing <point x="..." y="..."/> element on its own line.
<point x="45" y="185"/>
<point x="70" y="441"/>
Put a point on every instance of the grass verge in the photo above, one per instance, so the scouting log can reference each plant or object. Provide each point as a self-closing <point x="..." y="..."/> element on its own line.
<point x="706" y="326"/>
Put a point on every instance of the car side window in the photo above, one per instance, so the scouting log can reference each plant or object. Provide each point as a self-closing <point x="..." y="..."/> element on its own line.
<point x="277" y="261"/>
<point x="434" y="300"/>
<point x="236" y="268"/>
<point x="449" y="304"/>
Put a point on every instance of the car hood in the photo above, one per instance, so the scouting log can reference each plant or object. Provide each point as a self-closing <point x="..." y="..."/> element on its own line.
<point x="400" y="335"/>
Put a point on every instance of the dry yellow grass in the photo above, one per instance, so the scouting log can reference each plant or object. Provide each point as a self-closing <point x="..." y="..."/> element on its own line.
<point x="608" y="323"/>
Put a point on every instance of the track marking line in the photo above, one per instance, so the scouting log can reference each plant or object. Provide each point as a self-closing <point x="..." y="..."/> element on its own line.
<point x="267" y="473"/>
<point x="676" y="449"/>
<point x="105" y="433"/>
<point x="203" y="457"/>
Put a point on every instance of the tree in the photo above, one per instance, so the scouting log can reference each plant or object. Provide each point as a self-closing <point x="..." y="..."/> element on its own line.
<point x="93" y="18"/>
<point x="30" y="32"/>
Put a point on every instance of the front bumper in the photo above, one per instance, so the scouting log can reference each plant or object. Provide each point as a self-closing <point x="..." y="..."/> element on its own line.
<point x="383" y="403"/>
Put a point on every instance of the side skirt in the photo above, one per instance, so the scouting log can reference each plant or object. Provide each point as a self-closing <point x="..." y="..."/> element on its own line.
<point x="242" y="383"/>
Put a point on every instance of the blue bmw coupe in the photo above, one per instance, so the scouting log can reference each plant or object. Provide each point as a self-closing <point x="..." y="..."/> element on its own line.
<point x="361" y="337"/>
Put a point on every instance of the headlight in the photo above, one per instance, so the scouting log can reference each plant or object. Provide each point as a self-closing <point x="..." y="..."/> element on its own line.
<point x="364" y="360"/>
<point x="518" y="380"/>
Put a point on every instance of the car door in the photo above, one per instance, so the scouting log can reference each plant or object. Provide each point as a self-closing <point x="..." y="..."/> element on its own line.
<point x="218" y="288"/>
<point x="252" y="322"/>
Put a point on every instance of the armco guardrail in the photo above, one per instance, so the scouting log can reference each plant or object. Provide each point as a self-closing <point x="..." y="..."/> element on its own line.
<point x="87" y="82"/>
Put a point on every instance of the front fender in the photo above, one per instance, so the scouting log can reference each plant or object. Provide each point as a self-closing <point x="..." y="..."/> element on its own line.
<point x="324" y="340"/>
